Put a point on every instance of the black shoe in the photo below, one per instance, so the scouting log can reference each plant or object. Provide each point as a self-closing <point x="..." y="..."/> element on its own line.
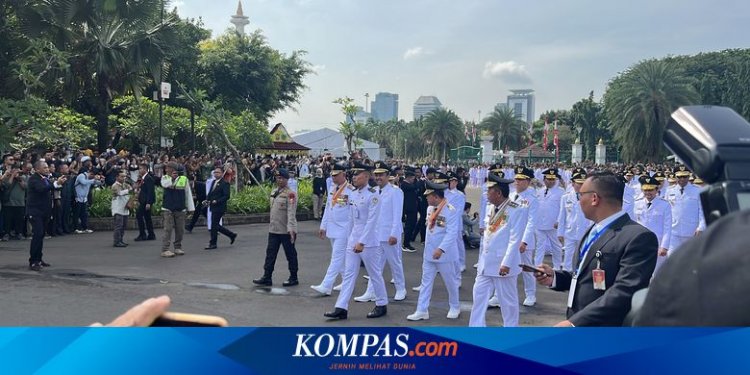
<point x="35" y="266"/>
<point x="378" y="311"/>
<point x="45" y="264"/>
<point x="209" y="247"/>
<point x="231" y="239"/>
<point x="139" y="238"/>
<point x="291" y="282"/>
<point x="264" y="281"/>
<point x="151" y="238"/>
<point x="120" y="244"/>
<point x="188" y="229"/>
<point x="337" y="313"/>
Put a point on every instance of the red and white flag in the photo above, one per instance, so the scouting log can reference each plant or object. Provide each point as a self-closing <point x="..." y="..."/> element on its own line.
<point x="546" y="128"/>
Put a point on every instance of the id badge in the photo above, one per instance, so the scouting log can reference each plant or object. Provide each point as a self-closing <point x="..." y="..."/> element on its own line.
<point x="598" y="276"/>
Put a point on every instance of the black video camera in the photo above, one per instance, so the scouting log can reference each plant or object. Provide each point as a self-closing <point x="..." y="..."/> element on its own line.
<point x="714" y="142"/>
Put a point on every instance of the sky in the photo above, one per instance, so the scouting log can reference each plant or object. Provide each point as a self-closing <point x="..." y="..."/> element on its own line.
<point x="470" y="53"/>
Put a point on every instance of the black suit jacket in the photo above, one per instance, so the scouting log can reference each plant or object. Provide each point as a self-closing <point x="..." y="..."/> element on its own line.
<point x="219" y="193"/>
<point x="148" y="190"/>
<point x="39" y="196"/>
<point x="411" y="201"/>
<point x="627" y="252"/>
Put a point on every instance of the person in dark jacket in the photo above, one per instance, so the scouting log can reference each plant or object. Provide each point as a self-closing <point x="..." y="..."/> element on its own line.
<point x="146" y="197"/>
<point x="411" y="207"/>
<point x="319" y="193"/>
<point x="39" y="210"/>
<point x="217" y="198"/>
<point x="67" y="197"/>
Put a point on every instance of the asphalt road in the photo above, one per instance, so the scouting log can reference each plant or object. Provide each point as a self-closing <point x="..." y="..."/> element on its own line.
<point x="90" y="281"/>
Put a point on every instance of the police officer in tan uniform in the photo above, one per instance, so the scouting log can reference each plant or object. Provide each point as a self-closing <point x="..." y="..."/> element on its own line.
<point x="282" y="231"/>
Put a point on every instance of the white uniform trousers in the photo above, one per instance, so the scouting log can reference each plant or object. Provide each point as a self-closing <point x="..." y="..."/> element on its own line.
<point x="675" y="243"/>
<point x="392" y="255"/>
<point x="370" y="256"/>
<point x="461" y="262"/>
<point x="547" y="242"/>
<point x="447" y="272"/>
<point x="336" y="267"/>
<point x="529" y="281"/>
<point x="570" y="247"/>
<point x="507" y="293"/>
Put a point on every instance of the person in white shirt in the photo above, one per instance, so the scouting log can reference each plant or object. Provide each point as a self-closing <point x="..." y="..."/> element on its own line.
<point x="655" y="214"/>
<point x="549" y="209"/>
<point x="336" y="226"/>
<point x="687" y="213"/>
<point x="572" y="224"/>
<point x="120" y="197"/>
<point x="499" y="258"/>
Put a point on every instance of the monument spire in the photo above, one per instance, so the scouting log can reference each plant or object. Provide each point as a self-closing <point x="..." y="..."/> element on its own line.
<point x="240" y="20"/>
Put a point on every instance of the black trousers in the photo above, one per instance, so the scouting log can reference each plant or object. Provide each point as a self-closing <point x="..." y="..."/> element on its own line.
<point x="143" y="218"/>
<point x="410" y="225"/>
<point x="216" y="228"/>
<point x="274" y="241"/>
<point x="13" y="219"/>
<point x="197" y="215"/>
<point x="421" y="224"/>
<point x="38" y="224"/>
<point x="65" y="216"/>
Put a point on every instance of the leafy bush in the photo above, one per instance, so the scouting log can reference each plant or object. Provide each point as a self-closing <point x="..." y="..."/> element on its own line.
<point x="250" y="200"/>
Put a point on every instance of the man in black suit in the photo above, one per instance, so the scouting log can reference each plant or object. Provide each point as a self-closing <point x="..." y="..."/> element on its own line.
<point x="146" y="198"/>
<point x="216" y="199"/>
<point x="616" y="258"/>
<point x="39" y="210"/>
<point x="411" y="207"/>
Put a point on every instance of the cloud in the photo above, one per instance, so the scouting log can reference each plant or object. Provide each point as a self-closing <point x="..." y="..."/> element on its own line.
<point x="507" y="71"/>
<point x="416" y="52"/>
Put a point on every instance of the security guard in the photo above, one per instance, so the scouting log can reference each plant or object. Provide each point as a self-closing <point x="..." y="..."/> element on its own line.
<point x="687" y="213"/>
<point x="336" y="225"/>
<point x="362" y="247"/>
<point x="282" y="230"/>
<point x="571" y="223"/>
<point x="440" y="252"/>
<point x="655" y="214"/>
<point x="499" y="258"/>
<point x="549" y="209"/>
<point x="526" y="196"/>
<point x="389" y="230"/>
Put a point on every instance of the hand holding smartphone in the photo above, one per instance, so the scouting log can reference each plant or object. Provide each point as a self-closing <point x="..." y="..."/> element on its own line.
<point x="177" y="319"/>
<point x="527" y="268"/>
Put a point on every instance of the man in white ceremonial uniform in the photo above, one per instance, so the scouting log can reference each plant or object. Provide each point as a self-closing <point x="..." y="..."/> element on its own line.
<point x="336" y="225"/>
<point x="440" y="252"/>
<point x="526" y="196"/>
<point x="655" y="214"/>
<point x="457" y="199"/>
<point x="629" y="195"/>
<point x="209" y="186"/>
<point x="571" y="223"/>
<point x="362" y="247"/>
<point x="549" y="209"/>
<point x="499" y="260"/>
<point x="687" y="214"/>
<point x="389" y="230"/>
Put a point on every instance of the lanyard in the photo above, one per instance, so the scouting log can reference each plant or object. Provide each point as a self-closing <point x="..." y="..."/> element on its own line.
<point x="587" y="245"/>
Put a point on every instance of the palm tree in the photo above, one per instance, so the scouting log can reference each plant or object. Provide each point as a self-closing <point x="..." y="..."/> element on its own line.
<point x="115" y="46"/>
<point x="444" y="130"/>
<point x="507" y="130"/>
<point x="639" y="102"/>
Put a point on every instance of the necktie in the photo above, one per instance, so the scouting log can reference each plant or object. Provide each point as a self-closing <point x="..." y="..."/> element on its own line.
<point x="516" y="198"/>
<point x="648" y="205"/>
<point x="545" y="192"/>
<point x="682" y="190"/>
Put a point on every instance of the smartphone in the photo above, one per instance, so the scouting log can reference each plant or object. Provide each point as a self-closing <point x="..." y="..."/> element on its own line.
<point x="527" y="268"/>
<point x="177" y="319"/>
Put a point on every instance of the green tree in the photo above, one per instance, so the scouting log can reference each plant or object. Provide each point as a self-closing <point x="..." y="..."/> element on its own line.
<point x="245" y="73"/>
<point x="590" y="123"/>
<point x="348" y="128"/>
<point x="443" y="130"/>
<point x="138" y="122"/>
<point x="639" y="102"/>
<point x="115" y="47"/>
<point x="507" y="131"/>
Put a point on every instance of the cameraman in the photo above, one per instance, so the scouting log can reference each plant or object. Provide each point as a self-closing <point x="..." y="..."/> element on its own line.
<point x="86" y="178"/>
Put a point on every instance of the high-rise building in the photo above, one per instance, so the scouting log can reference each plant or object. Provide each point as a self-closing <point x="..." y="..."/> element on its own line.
<point x="522" y="104"/>
<point x="240" y="20"/>
<point x="425" y="105"/>
<point x="385" y="107"/>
